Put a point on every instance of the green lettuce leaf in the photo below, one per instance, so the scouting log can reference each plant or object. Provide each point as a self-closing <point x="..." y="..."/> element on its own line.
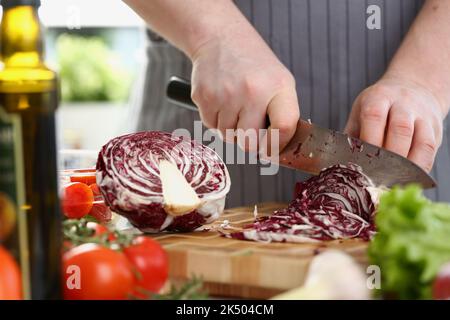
<point x="412" y="243"/>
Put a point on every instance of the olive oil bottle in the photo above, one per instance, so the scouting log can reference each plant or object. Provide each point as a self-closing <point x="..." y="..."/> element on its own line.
<point x="29" y="207"/>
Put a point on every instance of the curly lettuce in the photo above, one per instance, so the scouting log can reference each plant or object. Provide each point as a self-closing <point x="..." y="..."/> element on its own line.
<point x="412" y="243"/>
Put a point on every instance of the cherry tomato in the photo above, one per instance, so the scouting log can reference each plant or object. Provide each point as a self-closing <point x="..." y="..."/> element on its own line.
<point x="100" y="229"/>
<point x="77" y="200"/>
<point x="441" y="285"/>
<point x="7" y="216"/>
<point x="96" y="191"/>
<point x="86" y="178"/>
<point x="103" y="274"/>
<point x="10" y="280"/>
<point x="100" y="210"/>
<point x="97" y="227"/>
<point x="150" y="261"/>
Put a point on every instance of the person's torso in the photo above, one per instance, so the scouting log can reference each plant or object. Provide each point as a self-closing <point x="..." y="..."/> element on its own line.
<point x="333" y="55"/>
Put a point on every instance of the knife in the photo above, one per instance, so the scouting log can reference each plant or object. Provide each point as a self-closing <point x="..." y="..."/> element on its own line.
<point x="313" y="148"/>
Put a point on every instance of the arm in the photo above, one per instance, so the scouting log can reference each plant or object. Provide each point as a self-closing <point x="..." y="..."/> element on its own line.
<point x="405" y="109"/>
<point x="190" y="23"/>
<point x="424" y="56"/>
<point x="236" y="78"/>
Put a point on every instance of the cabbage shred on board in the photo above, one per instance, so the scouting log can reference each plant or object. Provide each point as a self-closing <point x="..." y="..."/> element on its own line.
<point x="339" y="203"/>
<point x="128" y="175"/>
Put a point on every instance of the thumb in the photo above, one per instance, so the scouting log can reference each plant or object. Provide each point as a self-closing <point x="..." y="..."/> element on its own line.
<point x="352" y="128"/>
<point x="284" y="113"/>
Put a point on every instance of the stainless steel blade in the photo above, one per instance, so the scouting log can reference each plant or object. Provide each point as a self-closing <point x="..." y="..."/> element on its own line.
<point x="314" y="148"/>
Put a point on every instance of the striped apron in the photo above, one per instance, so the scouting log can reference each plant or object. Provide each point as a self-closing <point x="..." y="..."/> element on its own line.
<point x="333" y="56"/>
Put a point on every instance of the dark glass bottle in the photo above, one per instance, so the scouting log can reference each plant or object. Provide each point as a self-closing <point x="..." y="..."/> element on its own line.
<point x="30" y="221"/>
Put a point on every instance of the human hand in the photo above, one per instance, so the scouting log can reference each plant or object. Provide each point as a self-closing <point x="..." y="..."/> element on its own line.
<point x="401" y="116"/>
<point x="237" y="80"/>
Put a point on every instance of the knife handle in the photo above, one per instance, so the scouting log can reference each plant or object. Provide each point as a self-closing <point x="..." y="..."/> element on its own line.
<point x="179" y="92"/>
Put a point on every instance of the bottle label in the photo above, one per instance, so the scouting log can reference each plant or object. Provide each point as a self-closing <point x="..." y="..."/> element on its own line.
<point x="7" y="156"/>
<point x="13" y="206"/>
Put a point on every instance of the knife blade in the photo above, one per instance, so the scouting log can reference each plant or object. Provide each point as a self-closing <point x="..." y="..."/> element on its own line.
<point x="313" y="148"/>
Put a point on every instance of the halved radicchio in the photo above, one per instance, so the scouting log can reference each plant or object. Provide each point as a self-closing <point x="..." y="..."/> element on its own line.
<point x="339" y="203"/>
<point x="129" y="175"/>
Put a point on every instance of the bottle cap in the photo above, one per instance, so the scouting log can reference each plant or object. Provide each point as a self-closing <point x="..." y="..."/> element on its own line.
<point x="14" y="3"/>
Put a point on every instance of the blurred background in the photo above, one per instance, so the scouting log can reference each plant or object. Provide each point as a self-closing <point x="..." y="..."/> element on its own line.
<point x="98" y="49"/>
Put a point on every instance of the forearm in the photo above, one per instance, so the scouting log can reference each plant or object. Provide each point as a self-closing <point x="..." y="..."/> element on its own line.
<point x="424" y="56"/>
<point x="189" y="24"/>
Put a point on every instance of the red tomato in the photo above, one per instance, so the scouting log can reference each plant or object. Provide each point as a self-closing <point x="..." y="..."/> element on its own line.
<point x="103" y="274"/>
<point x="150" y="261"/>
<point x="10" y="280"/>
<point x="77" y="200"/>
<point x="99" y="210"/>
<point x="100" y="229"/>
<point x="441" y="285"/>
<point x="97" y="227"/>
<point x="8" y="217"/>
<point x="86" y="178"/>
<point x="96" y="191"/>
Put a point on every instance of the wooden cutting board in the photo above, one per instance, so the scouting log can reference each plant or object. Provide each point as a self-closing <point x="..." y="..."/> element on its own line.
<point x="245" y="269"/>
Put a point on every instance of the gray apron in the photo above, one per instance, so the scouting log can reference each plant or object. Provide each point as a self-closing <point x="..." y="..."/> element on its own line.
<point x="333" y="56"/>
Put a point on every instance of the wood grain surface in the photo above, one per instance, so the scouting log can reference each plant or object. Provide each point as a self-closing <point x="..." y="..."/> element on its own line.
<point x="245" y="269"/>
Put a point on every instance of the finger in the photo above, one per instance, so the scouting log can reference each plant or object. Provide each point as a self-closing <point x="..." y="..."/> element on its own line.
<point x="226" y="123"/>
<point x="352" y="128"/>
<point x="249" y="124"/>
<point x="373" y="117"/>
<point x="206" y="101"/>
<point x="284" y="113"/>
<point x="400" y="131"/>
<point x="424" y="146"/>
<point x="208" y="117"/>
